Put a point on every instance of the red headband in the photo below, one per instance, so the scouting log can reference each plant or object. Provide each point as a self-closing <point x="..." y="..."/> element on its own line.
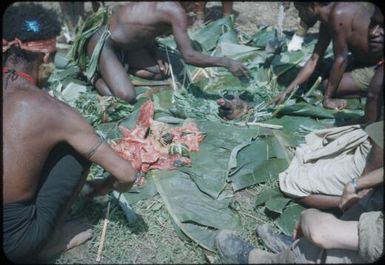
<point x="44" y="46"/>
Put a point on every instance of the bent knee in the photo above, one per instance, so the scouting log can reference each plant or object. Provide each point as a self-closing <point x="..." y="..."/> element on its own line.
<point x="129" y="97"/>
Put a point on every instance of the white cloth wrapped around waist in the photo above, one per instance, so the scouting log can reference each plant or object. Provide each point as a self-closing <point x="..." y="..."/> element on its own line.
<point x="327" y="160"/>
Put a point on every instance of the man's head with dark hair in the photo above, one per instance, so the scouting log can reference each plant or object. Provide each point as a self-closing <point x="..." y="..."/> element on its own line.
<point x="306" y="11"/>
<point x="376" y="32"/>
<point x="28" y="22"/>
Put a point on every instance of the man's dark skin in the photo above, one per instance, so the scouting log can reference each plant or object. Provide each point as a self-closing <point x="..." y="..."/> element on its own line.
<point x="374" y="109"/>
<point x="33" y="124"/>
<point x="345" y="24"/>
<point x="134" y="28"/>
<point x="372" y="112"/>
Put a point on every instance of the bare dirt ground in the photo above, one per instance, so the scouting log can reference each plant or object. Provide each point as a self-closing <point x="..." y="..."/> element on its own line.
<point x="249" y="15"/>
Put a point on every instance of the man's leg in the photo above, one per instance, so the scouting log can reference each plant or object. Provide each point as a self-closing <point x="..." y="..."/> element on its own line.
<point x="66" y="173"/>
<point x="142" y="64"/>
<point x="347" y="88"/>
<point x="114" y="76"/>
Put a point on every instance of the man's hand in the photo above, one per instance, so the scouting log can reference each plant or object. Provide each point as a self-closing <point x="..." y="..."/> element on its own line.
<point x="279" y="99"/>
<point x="349" y="197"/>
<point x="164" y="67"/>
<point x="334" y="103"/>
<point x="282" y="96"/>
<point x="99" y="187"/>
<point x="238" y="69"/>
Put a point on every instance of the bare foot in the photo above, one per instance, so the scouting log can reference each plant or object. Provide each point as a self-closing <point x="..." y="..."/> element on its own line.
<point x="69" y="235"/>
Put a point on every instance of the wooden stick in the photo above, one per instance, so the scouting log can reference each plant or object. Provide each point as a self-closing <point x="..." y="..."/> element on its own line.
<point x="103" y="237"/>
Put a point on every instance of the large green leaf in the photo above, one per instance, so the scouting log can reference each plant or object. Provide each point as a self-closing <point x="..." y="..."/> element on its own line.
<point x="297" y="126"/>
<point x="290" y="216"/>
<point x="136" y="194"/>
<point x="285" y="62"/>
<point x="263" y="36"/>
<point x="208" y="36"/>
<point x="189" y="206"/>
<point x="267" y="195"/>
<point x="267" y="170"/>
<point x="277" y="204"/>
<point x="209" y="168"/>
<point x="247" y="160"/>
<point x="305" y="109"/>
<point x="238" y="52"/>
<point x="228" y="136"/>
<point x="109" y="130"/>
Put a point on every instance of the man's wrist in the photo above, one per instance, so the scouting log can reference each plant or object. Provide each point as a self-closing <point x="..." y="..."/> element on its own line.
<point x="354" y="185"/>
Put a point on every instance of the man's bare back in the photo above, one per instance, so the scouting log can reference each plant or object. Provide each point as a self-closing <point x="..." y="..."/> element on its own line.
<point x="136" y="24"/>
<point x="134" y="28"/>
<point x="29" y="129"/>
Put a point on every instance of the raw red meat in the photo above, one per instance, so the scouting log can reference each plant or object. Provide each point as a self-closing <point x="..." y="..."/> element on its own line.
<point x="151" y="151"/>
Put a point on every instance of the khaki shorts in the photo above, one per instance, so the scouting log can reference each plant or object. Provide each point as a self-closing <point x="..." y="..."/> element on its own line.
<point x="371" y="235"/>
<point x="363" y="76"/>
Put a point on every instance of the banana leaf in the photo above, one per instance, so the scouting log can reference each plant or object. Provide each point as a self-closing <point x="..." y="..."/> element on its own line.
<point x="295" y="125"/>
<point x="228" y="136"/>
<point x="290" y="216"/>
<point x="209" y="169"/>
<point x="208" y="36"/>
<point x="247" y="160"/>
<point x="136" y="194"/>
<point x="266" y="195"/>
<point x="277" y="204"/>
<point x="109" y="130"/>
<point x="263" y="35"/>
<point x="186" y="105"/>
<point x="192" y="210"/>
<point x="305" y="109"/>
<point x="285" y="62"/>
<point x="258" y="162"/>
<point x="229" y="36"/>
<point x="239" y="52"/>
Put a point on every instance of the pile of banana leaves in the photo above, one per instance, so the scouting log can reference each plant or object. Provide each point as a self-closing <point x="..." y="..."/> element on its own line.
<point x="235" y="155"/>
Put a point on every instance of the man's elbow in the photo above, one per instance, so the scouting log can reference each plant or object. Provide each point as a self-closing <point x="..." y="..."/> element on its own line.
<point x="341" y="61"/>
<point x="189" y="58"/>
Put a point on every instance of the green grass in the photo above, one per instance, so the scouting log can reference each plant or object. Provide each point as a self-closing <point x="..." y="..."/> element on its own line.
<point x="152" y="238"/>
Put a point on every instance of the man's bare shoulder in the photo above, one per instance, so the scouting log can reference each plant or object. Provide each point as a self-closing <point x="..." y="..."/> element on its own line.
<point x="39" y="102"/>
<point x="346" y="10"/>
<point x="171" y="9"/>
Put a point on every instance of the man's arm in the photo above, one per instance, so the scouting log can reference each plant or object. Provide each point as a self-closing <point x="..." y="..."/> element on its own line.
<point x="326" y="231"/>
<point x="351" y="190"/>
<point x="309" y="67"/>
<point x="374" y="98"/>
<point x="75" y="130"/>
<point x="178" y="20"/>
<point x="340" y="47"/>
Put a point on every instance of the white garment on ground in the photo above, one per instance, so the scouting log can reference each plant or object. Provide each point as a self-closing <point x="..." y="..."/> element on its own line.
<point x="295" y="44"/>
<point x="327" y="160"/>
